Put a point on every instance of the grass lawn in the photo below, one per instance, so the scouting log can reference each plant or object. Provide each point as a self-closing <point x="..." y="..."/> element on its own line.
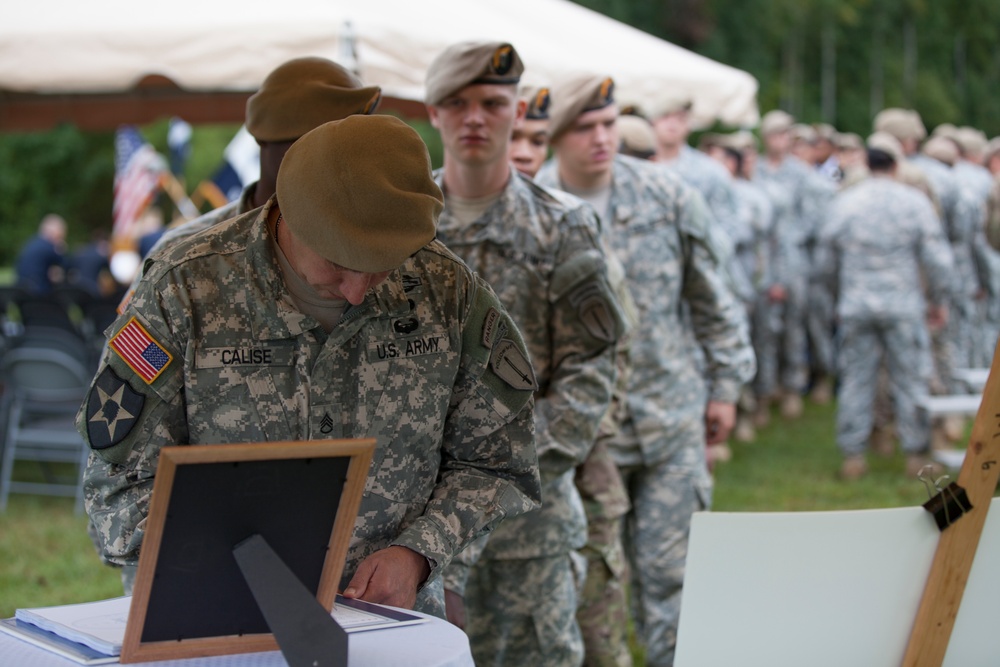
<point x="46" y="557"/>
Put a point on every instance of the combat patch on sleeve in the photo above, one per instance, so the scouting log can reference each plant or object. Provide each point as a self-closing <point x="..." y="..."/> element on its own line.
<point x="493" y="327"/>
<point x="595" y="312"/>
<point x="140" y="351"/>
<point x="511" y="366"/>
<point x="113" y="410"/>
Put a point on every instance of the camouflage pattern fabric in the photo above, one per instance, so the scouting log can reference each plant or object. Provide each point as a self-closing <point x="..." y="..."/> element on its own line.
<point x="818" y="192"/>
<point x="228" y="359"/>
<point x="881" y="241"/>
<point x="536" y="631"/>
<point x="602" y="612"/>
<point x="602" y="609"/>
<point x="541" y="252"/>
<point x="666" y="247"/>
<point x="709" y="178"/>
<point x="993" y="215"/>
<point x="756" y="210"/>
<point x="960" y="218"/>
<point x="784" y="184"/>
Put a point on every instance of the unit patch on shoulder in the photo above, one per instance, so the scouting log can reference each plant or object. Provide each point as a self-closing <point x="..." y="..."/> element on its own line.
<point x="140" y="351"/>
<point x="511" y="366"/>
<point x="594" y="311"/>
<point x="112" y="410"/>
<point x="596" y="317"/>
<point x="494" y="328"/>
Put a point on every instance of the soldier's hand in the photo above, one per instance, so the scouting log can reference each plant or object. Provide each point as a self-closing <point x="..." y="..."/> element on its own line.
<point x="937" y="317"/>
<point x="389" y="576"/>
<point x="454" y="608"/>
<point x="777" y="293"/>
<point x="719" y="421"/>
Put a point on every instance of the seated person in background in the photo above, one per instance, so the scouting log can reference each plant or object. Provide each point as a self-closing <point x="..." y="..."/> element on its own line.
<point x="348" y="320"/>
<point x="42" y="260"/>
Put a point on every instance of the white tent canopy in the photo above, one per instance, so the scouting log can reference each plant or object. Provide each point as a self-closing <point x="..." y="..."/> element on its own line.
<point x="60" y="46"/>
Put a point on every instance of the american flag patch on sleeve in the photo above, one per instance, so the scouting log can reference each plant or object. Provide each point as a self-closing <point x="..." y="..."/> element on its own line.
<point x="143" y="354"/>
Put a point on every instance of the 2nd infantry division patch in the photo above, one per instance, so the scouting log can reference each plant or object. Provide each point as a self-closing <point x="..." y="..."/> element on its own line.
<point x="112" y="410"/>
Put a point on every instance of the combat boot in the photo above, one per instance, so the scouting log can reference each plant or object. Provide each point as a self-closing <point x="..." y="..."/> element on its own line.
<point x="853" y="468"/>
<point x="882" y="441"/>
<point x="744" y="430"/>
<point x="822" y="391"/>
<point x="791" y="405"/>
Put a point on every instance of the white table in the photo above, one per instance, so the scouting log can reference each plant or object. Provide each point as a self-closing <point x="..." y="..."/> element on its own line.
<point x="436" y="643"/>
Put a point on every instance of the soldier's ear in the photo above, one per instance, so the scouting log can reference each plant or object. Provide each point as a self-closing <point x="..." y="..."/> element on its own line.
<point x="522" y="109"/>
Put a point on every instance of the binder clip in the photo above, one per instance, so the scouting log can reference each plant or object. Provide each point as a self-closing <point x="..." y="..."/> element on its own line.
<point x="948" y="504"/>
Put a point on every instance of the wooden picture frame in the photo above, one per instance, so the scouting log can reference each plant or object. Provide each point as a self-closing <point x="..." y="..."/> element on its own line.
<point x="190" y="598"/>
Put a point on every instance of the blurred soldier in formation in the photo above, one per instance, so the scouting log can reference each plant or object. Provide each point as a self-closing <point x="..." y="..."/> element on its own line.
<point x="785" y="376"/>
<point x="670" y="115"/>
<point x="738" y="153"/>
<point x="882" y="239"/>
<point x="676" y="400"/>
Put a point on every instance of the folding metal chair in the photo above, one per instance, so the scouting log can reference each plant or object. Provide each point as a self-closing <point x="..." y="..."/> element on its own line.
<point x="44" y="388"/>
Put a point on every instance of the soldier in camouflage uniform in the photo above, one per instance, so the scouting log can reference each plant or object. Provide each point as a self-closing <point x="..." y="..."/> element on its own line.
<point x="783" y="177"/>
<point x="305" y="320"/>
<point x="602" y="610"/>
<point x="669" y="114"/>
<point x="755" y="214"/>
<point x="540" y="251"/>
<point x="881" y="241"/>
<point x="658" y="228"/>
<point x="958" y="220"/>
<point x="295" y="97"/>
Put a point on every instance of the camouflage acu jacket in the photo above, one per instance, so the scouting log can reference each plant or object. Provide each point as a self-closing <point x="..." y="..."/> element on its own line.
<point x="419" y="366"/>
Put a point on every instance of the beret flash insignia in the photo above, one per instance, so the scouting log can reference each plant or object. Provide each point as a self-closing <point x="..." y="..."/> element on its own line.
<point x="503" y="60"/>
<point x="607" y="91"/>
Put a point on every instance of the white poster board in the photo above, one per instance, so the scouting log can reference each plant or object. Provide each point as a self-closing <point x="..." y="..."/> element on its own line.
<point x="826" y="589"/>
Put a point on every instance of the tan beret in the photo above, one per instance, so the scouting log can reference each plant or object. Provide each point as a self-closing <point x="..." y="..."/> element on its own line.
<point x="668" y="101"/>
<point x="825" y="131"/>
<point x="359" y="192"/>
<point x="941" y="148"/>
<point x="577" y="95"/>
<point x="946" y="130"/>
<point x="636" y="135"/>
<point x="901" y="123"/>
<point x="805" y="133"/>
<point x="776" y="121"/>
<point x="304" y="93"/>
<point x="848" y="141"/>
<point x="992" y="148"/>
<point x="887" y="143"/>
<point x="739" y="141"/>
<point x="538" y="99"/>
<point x="970" y="140"/>
<point x="467" y="63"/>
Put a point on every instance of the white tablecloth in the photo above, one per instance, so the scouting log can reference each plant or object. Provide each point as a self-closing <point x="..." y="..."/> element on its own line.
<point x="436" y="643"/>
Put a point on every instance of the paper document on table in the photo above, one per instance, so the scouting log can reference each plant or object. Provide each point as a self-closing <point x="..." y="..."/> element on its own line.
<point x="101" y="625"/>
<point x="825" y="589"/>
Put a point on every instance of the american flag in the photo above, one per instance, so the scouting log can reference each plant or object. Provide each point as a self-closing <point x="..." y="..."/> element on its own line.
<point x="138" y="168"/>
<point x="146" y="357"/>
